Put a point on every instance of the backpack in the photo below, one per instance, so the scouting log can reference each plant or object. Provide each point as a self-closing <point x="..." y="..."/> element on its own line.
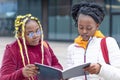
<point x="104" y="50"/>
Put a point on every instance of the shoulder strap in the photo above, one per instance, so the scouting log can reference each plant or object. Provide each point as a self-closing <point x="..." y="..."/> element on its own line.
<point x="45" y="44"/>
<point x="105" y="50"/>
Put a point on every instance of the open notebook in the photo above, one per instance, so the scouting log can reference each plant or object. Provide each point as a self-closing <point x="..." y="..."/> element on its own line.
<point x="50" y="73"/>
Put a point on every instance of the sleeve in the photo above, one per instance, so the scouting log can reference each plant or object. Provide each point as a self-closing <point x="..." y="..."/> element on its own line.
<point x="8" y="69"/>
<point x="55" y="62"/>
<point x="70" y="53"/>
<point x="111" y="72"/>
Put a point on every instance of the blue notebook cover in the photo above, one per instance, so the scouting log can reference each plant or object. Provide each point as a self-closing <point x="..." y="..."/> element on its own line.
<point x="50" y="73"/>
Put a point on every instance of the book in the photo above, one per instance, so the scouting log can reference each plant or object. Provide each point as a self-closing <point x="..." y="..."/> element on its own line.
<point x="51" y="73"/>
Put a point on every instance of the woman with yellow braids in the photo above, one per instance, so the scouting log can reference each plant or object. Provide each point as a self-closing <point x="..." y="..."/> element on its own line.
<point x="88" y="48"/>
<point x="29" y="47"/>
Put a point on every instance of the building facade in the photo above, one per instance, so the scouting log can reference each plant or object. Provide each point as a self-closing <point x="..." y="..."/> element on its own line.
<point x="55" y="17"/>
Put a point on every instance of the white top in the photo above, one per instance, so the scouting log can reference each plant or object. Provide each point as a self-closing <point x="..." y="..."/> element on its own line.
<point x="76" y="56"/>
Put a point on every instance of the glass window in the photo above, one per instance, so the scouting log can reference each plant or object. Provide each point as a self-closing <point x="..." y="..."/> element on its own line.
<point x="30" y="6"/>
<point x="61" y="24"/>
<point x="8" y="9"/>
<point x="59" y="19"/>
<point x="115" y="5"/>
<point x="116" y="27"/>
<point x="105" y="26"/>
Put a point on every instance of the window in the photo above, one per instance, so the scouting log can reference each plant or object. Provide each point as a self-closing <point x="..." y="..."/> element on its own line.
<point x="8" y="9"/>
<point x="59" y="19"/>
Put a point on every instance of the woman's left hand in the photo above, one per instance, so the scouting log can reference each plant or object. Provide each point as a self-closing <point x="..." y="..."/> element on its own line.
<point x="93" y="68"/>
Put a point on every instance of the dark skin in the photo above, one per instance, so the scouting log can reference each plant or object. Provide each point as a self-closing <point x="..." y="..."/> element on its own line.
<point x="30" y="70"/>
<point x="86" y="28"/>
<point x="32" y="26"/>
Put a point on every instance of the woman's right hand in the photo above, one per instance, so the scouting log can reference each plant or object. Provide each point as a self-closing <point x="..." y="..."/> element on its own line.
<point x="30" y="70"/>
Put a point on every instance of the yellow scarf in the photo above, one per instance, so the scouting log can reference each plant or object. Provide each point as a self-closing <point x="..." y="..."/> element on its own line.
<point x="83" y="44"/>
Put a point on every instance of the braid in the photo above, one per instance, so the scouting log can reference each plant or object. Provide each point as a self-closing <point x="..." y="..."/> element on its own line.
<point x="20" y="22"/>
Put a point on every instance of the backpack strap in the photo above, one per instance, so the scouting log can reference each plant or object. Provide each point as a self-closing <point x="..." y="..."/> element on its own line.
<point x="104" y="50"/>
<point x="45" y="44"/>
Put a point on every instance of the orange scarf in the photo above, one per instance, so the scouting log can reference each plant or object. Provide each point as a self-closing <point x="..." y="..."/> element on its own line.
<point x="83" y="44"/>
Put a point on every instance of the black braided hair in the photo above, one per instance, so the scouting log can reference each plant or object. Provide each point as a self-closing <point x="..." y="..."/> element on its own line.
<point x="88" y="8"/>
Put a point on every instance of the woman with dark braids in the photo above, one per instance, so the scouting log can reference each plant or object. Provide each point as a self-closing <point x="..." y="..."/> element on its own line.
<point x="87" y="48"/>
<point x="29" y="47"/>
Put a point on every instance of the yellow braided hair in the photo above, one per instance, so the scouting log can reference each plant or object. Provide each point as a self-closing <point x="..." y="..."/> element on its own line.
<point x="20" y="23"/>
